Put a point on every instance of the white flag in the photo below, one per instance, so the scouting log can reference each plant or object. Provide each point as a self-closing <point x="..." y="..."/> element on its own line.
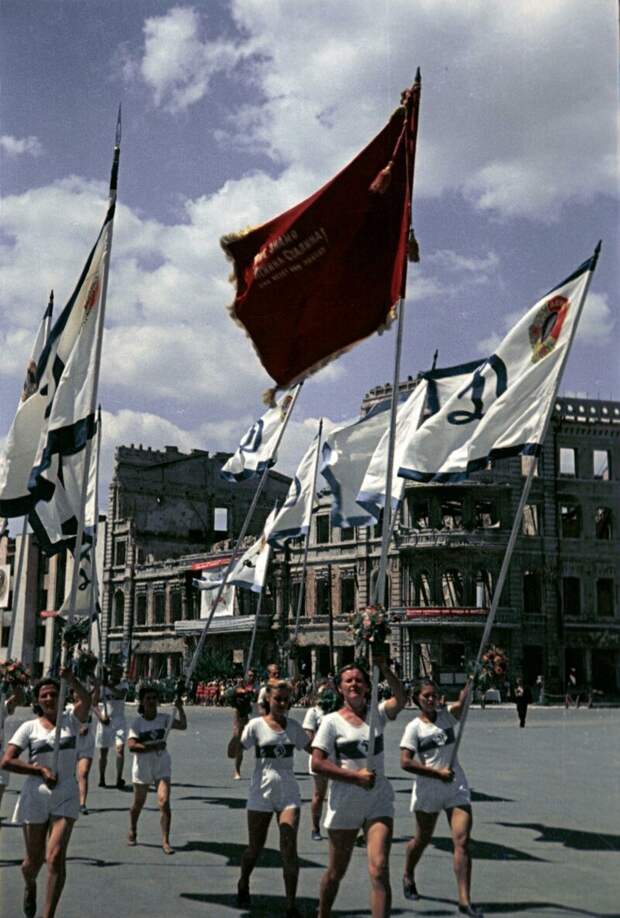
<point x="433" y="389"/>
<point x="58" y="418"/>
<point x="250" y="571"/>
<point x="209" y="586"/>
<point x="347" y="450"/>
<point x="293" y="520"/>
<point x="502" y="409"/>
<point x="256" y="452"/>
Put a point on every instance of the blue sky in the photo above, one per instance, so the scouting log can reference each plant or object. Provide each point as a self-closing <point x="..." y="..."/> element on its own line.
<point x="233" y="111"/>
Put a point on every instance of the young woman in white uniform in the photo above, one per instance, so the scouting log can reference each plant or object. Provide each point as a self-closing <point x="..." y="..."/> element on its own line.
<point x="151" y="760"/>
<point x="325" y="703"/>
<point x="48" y="804"/>
<point x="8" y="707"/>
<point x="112" y="726"/>
<point x="273" y="789"/>
<point x="357" y="797"/>
<point x="86" y="746"/>
<point x="426" y="749"/>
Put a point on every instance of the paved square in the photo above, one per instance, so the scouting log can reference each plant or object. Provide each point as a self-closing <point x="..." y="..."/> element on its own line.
<point x="546" y="829"/>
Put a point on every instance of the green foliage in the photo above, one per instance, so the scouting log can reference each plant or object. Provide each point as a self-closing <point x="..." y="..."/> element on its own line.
<point x="214" y="664"/>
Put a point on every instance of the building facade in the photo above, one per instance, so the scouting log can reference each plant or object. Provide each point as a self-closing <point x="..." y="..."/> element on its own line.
<point x="559" y="607"/>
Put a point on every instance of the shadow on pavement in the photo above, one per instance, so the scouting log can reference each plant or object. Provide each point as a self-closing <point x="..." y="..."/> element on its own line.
<point x="476" y="796"/>
<point x="233" y="851"/>
<point x="276" y="905"/>
<point x="233" y="803"/>
<point x="10" y="863"/>
<point x="95" y="861"/>
<point x="570" y="838"/>
<point x="504" y="907"/>
<point x="487" y="851"/>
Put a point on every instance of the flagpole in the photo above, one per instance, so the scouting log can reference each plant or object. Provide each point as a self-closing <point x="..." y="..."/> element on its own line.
<point x="302" y="588"/>
<point x="89" y="443"/>
<point x="386" y="528"/>
<point x="516" y="525"/>
<point x="258" y="609"/>
<point x="94" y="589"/>
<point x="236" y="550"/>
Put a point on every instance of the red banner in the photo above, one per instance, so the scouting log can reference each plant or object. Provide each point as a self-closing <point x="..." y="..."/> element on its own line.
<point x="443" y="612"/>
<point x="326" y="273"/>
<point x="214" y="562"/>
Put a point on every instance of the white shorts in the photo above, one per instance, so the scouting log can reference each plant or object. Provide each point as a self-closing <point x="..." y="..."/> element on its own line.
<point x="432" y="796"/>
<point x="37" y="802"/>
<point x="5" y="778"/>
<point x="113" y="734"/>
<point x="151" y="767"/>
<point x="349" y="806"/>
<point x="273" y="792"/>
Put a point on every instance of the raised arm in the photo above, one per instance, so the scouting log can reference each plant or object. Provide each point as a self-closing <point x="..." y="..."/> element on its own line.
<point x="456" y="709"/>
<point x="396" y="703"/>
<point x="81" y="706"/>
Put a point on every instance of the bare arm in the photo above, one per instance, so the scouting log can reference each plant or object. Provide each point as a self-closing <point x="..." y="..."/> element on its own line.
<point x="396" y="703"/>
<point x="409" y="763"/>
<point x="456" y="709"/>
<point x="13" y="700"/>
<point x="81" y="706"/>
<point x="321" y="765"/>
<point x="180" y="720"/>
<point x="11" y="762"/>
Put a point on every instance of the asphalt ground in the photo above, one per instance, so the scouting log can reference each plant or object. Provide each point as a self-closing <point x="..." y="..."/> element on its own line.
<point x="546" y="829"/>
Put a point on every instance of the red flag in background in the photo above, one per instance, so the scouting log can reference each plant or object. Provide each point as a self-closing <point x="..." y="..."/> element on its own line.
<point x="328" y="272"/>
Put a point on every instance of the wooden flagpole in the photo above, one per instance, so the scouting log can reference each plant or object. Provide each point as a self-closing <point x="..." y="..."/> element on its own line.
<point x="259" y="605"/>
<point x="89" y="443"/>
<point x="237" y="549"/>
<point x="516" y="525"/>
<point x="379" y="591"/>
<point x="302" y="588"/>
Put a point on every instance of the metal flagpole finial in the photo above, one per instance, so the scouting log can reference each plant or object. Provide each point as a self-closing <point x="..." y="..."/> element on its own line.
<point x="418" y="77"/>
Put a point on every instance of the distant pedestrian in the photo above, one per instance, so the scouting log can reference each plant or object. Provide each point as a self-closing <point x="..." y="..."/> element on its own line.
<point x="112" y="726"/>
<point x="572" y="690"/>
<point x="523" y="698"/>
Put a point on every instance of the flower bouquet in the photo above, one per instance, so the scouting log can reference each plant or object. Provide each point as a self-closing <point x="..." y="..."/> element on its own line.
<point x="85" y="664"/>
<point x="492" y="669"/>
<point x="369" y="628"/>
<point x="76" y="632"/>
<point x="13" y="673"/>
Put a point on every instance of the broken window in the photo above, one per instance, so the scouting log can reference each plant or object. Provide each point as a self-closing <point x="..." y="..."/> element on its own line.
<point x="526" y="464"/>
<point x="322" y="528"/>
<point x="347" y="595"/>
<point x="605" y="597"/>
<point x="571" y="596"/>
<point x="570" y="521"/>
<point x="485" y="514"/>
<point x="451" y="514"/>
<point x="532" y="519"/>
<point x="602" y="521"/>
<point x="532" y="593"/>
<point x="600" y="461"/>
<point x="423" y="583"/>
<point x="568" y="461"/>
<point x="421" y="517"/>
<point x="452" y="589"/>
<point x="484" y="589"/>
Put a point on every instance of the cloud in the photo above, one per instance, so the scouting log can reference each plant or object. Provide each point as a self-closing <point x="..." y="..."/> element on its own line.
<point x="177" y="64"/>
<point x="20" y="146"/>
<point x="597" y="321"/>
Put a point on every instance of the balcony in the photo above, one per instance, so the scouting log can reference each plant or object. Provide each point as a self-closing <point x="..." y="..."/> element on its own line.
<point x="480" y="539"/>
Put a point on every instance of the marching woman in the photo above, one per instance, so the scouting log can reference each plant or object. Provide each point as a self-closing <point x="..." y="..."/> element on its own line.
<point x="8" y="708"/>
<point x="152" y="763"/>
<point x="112" y="726"/>
<point x="49" y="803"/>
<point x="273" y="789"/>
<point x="241" y="697"/>
<point x="325" y="703"/>
<point x="425" y="753"/>
<point x="86" y="746"/>
<point x="357" y="797"/>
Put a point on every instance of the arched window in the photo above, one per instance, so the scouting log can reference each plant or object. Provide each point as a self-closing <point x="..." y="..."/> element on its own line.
<point x="119" y="608"/>
<point x="484" y="589"/>
<point x="423" y="589"/>
<point x="452" y="589"/>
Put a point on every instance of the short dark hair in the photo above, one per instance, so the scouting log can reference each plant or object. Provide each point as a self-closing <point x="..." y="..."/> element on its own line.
<point x="146" y="689"/>
<point x="349" y="666"/>
<point x="418" y="686"/>
<point x="39" y="684"/>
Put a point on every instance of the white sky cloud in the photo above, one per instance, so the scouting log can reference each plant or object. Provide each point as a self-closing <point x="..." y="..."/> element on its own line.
<point x="20" y="146"/>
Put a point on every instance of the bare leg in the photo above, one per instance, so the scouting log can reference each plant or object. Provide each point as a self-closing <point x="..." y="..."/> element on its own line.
<point x="288" y="820"/>
<point x="318" y="797"/>
<point x="165" y="814"/>
<point x="35" y="837"/>
<point x="58" y="840"/>
<point x="83" y="770"/>
<point x="258" y="826"/>
<point x="103" y="761"/>
<point x="341" y="842"/>
<point x="120" y="762"/>
<point x="425" y="826"/>
<point x="139" y="798"/>
<point x="378" y="844"/>
<point x="461" y="821"/>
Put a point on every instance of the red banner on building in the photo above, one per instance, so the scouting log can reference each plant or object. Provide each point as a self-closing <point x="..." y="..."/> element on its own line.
<point x="209" y="565"/>
<point x="327" y="273"/>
